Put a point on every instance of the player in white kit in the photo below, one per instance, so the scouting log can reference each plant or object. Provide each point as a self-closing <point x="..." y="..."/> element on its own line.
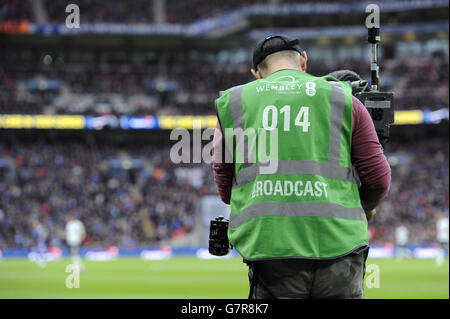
<point x="75" y="234"/>
<point x="401" y="240"/>
<point x="442" y="238"/>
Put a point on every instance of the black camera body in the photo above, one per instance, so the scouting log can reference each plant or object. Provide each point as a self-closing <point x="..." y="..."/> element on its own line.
<point x="219" y="244"/>
<point x="379" y="104"/>
<point x="381" y="108"/>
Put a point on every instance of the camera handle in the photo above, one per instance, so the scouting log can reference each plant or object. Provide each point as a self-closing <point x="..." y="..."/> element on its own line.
<point x="374" y="39"/>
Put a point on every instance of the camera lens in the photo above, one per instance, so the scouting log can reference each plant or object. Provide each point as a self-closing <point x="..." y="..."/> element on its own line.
<point x="218" y="237"/>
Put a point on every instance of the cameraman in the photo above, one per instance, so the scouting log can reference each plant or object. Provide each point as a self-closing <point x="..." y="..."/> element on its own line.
<point x="308" y="247"/>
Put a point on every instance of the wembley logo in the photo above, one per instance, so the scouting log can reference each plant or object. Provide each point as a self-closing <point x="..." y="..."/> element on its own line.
<point x="285" y="83"/>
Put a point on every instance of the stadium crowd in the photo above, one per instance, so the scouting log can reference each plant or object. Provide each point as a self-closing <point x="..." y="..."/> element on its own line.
<point x="15" y="10"/>
<point x="134" y="195"/>
<point x="186" y="86"/>
<point x="136" y="11"/>
<point x="142" y="11"/>
<point x="419" y="191"/>
<point x="120" y="202"/>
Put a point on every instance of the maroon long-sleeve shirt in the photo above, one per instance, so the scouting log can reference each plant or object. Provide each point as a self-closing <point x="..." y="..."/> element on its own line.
<point x="367" y="157"/>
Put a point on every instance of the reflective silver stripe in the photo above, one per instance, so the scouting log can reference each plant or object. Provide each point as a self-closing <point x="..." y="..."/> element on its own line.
<point x="237" y="113"/>
<point x="296" y="209"/>
<point x="227" y="148"/>
<point x="235" y="102"/>
<point x="286" y="167"/>
<point x="337" y="114"/>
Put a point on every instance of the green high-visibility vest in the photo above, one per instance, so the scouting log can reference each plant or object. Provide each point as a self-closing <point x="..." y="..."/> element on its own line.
<point x="310" y="206"/>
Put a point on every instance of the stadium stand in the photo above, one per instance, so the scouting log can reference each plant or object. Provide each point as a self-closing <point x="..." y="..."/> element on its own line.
<point x="187" y="87"/>
<point x="125" y="196"/>
<point x="15" y="10"/>
<point x="419" y="190"/>
<point x="136" y="11"/>
<point x="134" y="195"/>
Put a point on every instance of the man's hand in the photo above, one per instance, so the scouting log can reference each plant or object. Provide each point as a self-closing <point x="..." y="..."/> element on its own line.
<point x="369" y="209"/>
<point x="370" y="214"/>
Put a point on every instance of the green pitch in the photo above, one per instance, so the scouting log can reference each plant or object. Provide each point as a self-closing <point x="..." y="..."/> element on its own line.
<point x="195" y="278"/>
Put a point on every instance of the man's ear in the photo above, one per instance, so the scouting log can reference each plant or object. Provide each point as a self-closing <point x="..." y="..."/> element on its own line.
<point x="303" y="60"/>
<point x="256" y="74"/>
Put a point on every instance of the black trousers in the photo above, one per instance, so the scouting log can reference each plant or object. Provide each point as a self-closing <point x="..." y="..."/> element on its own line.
<point x="338" y="278"/>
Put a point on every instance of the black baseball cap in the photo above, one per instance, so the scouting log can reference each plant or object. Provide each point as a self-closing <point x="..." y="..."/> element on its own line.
<point x="260" y="54"/>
